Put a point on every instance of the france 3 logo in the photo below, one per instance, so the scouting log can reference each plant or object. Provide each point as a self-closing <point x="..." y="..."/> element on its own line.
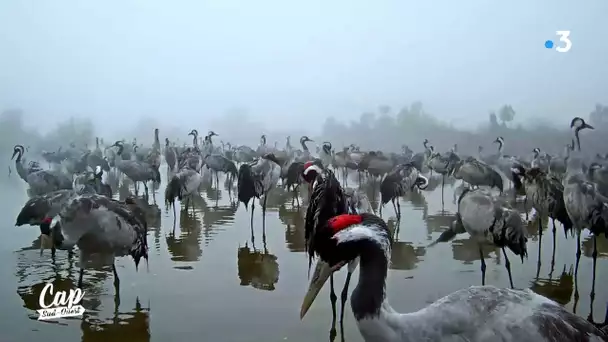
<point x="564" y="39"/>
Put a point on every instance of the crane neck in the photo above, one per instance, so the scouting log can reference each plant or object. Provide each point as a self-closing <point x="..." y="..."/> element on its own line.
<point x="370" y="292"/>
<point x="376" y="319"/>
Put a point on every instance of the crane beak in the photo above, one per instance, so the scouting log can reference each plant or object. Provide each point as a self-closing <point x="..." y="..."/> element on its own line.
<point x="586" y="125"/>
<point x="319" y="277"/>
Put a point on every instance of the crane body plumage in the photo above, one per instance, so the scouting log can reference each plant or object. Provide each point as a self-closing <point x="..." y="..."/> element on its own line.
<point x="477" y="173"/>
<point x="257" y="179"/>
<point x="398" y="182"/>
<point x="546" y="193"/>
<point x="586" y="207"/>
<point x="100" y="225"/>
<point x="182" y="185"/>
<point x="489" y="221"/>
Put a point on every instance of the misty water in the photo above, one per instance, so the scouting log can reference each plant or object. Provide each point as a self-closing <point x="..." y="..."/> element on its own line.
<point x="208" y="280"/>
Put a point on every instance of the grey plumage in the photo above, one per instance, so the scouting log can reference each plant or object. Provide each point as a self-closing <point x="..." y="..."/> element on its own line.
<point x="258" y="178"/>
<point x="182" y="185"/>
<point x="546" y="193"/>
<point x="396" y="184"/>
<point x="598" y="174"/>
<point x="474" y="314"/>
<point x="488" y="220"/>
<point x="477" y="173"/>
<point x="170" y="155"/>
<point x="586" y="207"/>
<point x="137" y="171"/>
<point x="40" y="181"/>
<point x="218" y="163"/>
<point x="100" y="225"/>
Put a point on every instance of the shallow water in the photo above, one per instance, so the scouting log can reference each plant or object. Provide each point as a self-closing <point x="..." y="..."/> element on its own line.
<point x="208" y="280"/>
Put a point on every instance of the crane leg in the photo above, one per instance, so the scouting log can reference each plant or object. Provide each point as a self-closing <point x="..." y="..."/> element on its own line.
<point x="553" y="252"/>
<point x="343" y="297"/>
<point x="540" y="240"/>
<point x="398" y="209"/>
<point x="80" y="277"/>
<point x="116" y="279"/>
<point x="146" y="189"/>
<point x="116" y="286"/>
<point x="594" y="256"/>
<point x="395" y="207"/>
<point x="252" y="208"/>
<point x="442" y="185"/>
<point x="264" y="216"/>
<point x="333" y="298"/>
<point x="578" y="251"/>
<point x="578" y="258"/>
<point x="508" y="266"/>
<point x="483" y="266"/>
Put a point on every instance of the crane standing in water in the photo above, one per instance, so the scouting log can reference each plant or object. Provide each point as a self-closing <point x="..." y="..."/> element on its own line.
<point x="474" y="314"/>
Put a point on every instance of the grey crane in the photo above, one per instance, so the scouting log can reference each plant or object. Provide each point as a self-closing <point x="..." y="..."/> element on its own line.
<point x="477" y="173"/>
<point x="39" y="210"/>
<point x="22" y="171"/>
<point x="557" y="164"/>
<point x="488" y="220"/>
<point x="340" y="161"/>
<point x="262" y="147"/>
<point x="257" y="179"/>
<point x="40" y="181"/>
<point x="474" y="314"/>
<point x="586" y="207"/>
<point x="304" y="155"/>
<point x="100" y="225"/>
<point x="444" y="164"/>
<point x="540" y="160"/>
<point x="403" y="178"/>
<point x="598" y="174"/>
<point x="244" y="154"/>
<point x="420" y="159"/>
<point x="218" y="163"/>
<point x="170" y="155"/>
<point x="184" y="184"/>
<point x="546" y="193"/>
<point x="150" y="155"/>
<point x="547" y="196"/>
<point x="325" y="154"/>
<point x="92" y="181"/>
<point x="503" y="162"/>
<point x="137" y="171"/>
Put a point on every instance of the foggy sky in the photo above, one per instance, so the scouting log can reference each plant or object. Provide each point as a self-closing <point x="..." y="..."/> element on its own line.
<point x="297" y="62"/>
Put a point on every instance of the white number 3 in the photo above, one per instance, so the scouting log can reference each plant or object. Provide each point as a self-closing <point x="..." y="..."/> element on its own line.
<point x="564" y="36"/>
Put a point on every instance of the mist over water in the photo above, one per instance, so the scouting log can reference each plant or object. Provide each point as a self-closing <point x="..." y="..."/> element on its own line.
<point x="379" y="75"/>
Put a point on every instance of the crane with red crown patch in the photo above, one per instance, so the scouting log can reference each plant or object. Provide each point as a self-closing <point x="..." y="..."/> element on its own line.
<point x="327" y="200"/>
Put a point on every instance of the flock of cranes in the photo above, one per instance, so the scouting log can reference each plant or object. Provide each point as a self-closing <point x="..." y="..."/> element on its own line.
<point x="72" y="203"/>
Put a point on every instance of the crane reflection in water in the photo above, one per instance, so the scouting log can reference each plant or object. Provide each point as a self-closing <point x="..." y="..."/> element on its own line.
<point x="96" y="324"/>
<point x="258" y="269"/>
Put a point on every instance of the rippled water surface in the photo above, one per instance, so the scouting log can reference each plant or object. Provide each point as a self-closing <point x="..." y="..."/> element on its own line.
<point x="210" y="280"/>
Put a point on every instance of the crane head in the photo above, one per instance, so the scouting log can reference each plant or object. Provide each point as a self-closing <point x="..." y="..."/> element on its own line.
<point x="579" y="123"/>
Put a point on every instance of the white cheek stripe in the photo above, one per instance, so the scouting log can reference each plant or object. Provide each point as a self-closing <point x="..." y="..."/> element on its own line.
<point x="361" y="232"/>
<point x="313" y="167"/>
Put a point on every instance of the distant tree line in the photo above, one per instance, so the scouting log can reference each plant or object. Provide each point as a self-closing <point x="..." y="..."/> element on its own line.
<point x="384" y="128"/>
<point x="388" y="129"/>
